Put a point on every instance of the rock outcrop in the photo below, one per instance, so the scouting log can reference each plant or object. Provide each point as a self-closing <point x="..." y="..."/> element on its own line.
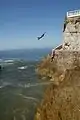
<point x="71" y="35"/>
<point x="62" y="98"/>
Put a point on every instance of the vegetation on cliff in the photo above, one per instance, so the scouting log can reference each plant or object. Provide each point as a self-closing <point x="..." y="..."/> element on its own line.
<point x="62" y="100"/>
<point x="48" y="70"/>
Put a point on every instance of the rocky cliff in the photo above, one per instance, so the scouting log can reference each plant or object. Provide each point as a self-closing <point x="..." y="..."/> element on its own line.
<point x="71" y="35"/>
<point x="62" y="98"/>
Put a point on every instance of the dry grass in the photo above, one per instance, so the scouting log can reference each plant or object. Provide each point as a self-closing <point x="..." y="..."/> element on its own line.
<point x="46" y="68"/>
<point x="61" y="101"/>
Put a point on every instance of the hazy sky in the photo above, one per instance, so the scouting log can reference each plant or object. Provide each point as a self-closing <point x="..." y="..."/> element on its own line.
<point x="22" y="21"/>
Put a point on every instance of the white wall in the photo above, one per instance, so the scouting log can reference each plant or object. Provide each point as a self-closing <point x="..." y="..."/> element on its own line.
<point x="73" y="13"/>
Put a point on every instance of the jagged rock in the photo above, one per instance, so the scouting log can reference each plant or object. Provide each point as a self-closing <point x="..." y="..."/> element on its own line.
<point x="71" y="35"/>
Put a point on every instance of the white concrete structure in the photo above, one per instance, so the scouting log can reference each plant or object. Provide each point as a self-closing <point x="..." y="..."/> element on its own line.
<point x="74" y="13"/>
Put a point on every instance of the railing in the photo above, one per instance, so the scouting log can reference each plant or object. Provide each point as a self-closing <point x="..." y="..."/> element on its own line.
<point x="73" y="13"/>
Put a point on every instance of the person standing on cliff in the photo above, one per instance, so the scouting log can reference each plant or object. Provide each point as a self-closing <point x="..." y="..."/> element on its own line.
<point x="65" y="23"/>
<point x="52" y="54"/>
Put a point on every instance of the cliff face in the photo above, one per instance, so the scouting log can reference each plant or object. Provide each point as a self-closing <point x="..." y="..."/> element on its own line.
<point x="71" y="35"/>
<point x="62" y="98"/>
<point x="63" y="60"/>
<point x="62" y="102"/>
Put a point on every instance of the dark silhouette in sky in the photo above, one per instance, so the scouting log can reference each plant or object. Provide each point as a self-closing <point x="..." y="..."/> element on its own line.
<point x="41" y="36"/>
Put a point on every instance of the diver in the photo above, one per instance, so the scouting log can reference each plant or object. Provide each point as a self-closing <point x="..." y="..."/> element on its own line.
<point x="52" y="55"/>
<point x="41" y="36"/>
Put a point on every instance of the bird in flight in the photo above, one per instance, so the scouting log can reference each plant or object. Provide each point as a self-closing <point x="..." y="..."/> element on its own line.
<point x="41" y="36"/>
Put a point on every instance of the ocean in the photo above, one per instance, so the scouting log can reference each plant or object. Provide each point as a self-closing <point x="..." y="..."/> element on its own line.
<point x="21" y="91"/>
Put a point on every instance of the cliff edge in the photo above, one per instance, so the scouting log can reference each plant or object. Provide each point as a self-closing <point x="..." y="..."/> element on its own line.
<point x="62" y="98"/>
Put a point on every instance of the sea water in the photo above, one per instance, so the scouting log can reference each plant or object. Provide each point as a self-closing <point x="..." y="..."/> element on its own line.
<point x="21" y="91"/>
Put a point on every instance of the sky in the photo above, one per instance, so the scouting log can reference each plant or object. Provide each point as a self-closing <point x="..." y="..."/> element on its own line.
<point x="22" y="21"/>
